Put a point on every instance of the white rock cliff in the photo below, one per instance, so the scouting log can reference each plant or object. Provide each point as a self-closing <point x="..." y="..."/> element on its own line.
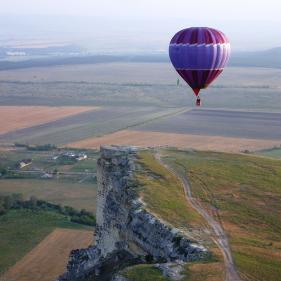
<point x="126" y="233"/>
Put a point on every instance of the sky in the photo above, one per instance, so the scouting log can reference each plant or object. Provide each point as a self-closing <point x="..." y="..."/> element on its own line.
<point x="142" y="24"/>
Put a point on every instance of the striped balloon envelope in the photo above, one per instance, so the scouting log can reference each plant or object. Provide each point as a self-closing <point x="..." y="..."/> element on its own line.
<point x="199" y="55"/>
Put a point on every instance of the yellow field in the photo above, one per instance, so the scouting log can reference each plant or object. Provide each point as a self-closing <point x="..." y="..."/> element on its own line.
<point x="19" y="117"/>
<point x="154" y="139"/>
<point x="48" y="259"/>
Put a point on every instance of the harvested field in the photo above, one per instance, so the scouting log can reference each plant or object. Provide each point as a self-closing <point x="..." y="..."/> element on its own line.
<point x="48" y="259"/>
<point x="153" y="139"/>
<point x="86" y="124"/>
<point x="225" y="123"/>
<point x="19" y="117"/>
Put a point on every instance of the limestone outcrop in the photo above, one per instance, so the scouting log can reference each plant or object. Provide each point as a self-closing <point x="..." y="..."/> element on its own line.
<point x="126" y="233"/>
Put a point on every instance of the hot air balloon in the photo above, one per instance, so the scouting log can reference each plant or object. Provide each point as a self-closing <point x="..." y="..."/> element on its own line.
<point x="199" y="55"/>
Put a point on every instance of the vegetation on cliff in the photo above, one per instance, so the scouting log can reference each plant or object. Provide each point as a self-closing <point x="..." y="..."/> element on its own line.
<point x="163" y="194"/>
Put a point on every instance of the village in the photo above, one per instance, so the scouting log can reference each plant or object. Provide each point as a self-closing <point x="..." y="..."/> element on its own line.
<point x="60" y="163"/>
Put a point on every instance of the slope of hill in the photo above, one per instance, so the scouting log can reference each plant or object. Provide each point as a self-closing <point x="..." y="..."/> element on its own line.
<point x="268" y="58"/>
<point x="244" y="194"/>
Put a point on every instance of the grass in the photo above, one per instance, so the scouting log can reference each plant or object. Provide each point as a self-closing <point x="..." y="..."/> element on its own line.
<point x="21" y="230"/>
<point x="192" y="272"/>
<point x="144" y="272"/>
<point x="246" y="192"/>
<point x="163" y="194"/>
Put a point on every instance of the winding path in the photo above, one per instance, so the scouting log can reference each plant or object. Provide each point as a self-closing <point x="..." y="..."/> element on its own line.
<point x="219" y="237"/>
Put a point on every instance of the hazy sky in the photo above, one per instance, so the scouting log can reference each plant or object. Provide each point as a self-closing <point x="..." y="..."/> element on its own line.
<point x="249" y="24"/>
<point x="207" y="9"/>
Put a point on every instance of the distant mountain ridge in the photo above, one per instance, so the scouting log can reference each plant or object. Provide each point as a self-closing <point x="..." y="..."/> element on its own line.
<point x="268" y="58"/>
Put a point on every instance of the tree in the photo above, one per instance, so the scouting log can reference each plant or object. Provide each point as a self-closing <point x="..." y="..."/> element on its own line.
<point x="33" y="202"/>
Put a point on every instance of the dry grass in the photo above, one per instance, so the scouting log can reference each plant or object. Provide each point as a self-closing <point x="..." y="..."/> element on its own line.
<point x="19" y="117"/>
<point x="205" y="272"/>
<point x="48" y="259"/>
<point x="154" y="139"/>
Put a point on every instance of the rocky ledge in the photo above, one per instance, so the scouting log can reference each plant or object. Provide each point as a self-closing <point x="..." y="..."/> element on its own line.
<point x="126" y="233"/>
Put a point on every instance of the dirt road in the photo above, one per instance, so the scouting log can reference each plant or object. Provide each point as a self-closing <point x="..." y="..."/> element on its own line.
<point x="219" y="236"/>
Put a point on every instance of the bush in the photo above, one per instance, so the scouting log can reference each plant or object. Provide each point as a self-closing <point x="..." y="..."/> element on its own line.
<point x="45" y="147"/>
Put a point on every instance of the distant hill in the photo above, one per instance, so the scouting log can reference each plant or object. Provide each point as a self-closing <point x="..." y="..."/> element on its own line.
<point x="94" y="59"/>
<point x="268" y="58"/>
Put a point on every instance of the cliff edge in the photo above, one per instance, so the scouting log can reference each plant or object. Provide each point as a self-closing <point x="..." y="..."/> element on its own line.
<point x="126" y="233"/>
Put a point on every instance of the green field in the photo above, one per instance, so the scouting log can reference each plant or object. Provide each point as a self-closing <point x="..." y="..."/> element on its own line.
<point x="246" y="192"/>
<point x="21" y="230"/>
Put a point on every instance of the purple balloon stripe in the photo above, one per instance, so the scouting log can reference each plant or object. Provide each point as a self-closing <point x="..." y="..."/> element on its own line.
<point x="199" y="35"/>
<point x="199" y="56"/>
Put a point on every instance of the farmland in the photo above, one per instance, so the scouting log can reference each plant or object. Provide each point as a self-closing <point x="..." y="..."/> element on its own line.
<point x="200" y="129"/>
<point x="21" y="230"/>
<point x="18" y="117"/>
<point x="137" y="84"/>
<point x="239" y="124"/>
<point x="155" y="139"/>
<point x="87" y="124"/>
<point x="49" y="258"/>
<point x="141" y="96"/>
<point x="66" y="193"/>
